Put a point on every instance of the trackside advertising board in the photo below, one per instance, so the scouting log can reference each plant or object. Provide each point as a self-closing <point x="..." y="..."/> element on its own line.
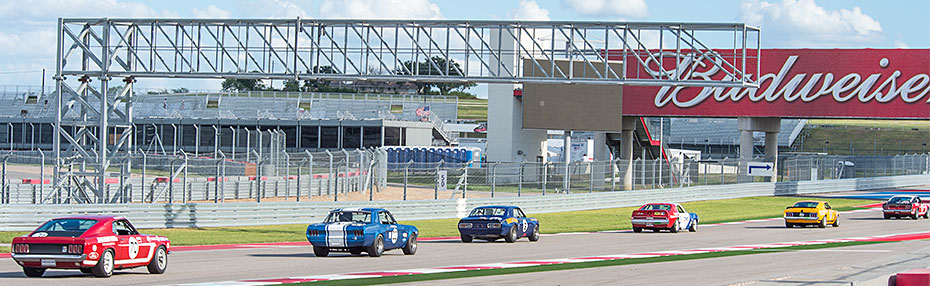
<point x="800" y="83"/>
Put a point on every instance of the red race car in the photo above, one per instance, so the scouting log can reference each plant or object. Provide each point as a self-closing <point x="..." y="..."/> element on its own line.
<point x="93" y="244"/>
<point x="905" y="206"/>
<point x="659" y="216"/>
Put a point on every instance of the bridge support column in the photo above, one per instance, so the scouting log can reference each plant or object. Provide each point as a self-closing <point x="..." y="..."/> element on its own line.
<point x="626" y="151"/>
<point x="507" y="140"/>
<point x="747" y="125"/>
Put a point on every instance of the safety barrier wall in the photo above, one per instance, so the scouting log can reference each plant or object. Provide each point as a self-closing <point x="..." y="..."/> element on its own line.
<point x="27" y="217"/>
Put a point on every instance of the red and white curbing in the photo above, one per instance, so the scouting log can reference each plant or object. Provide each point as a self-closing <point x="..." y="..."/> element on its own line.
<point x="514" y="264"/>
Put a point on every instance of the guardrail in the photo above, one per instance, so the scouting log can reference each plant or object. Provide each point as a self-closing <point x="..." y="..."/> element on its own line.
<point x="27" y="217"/>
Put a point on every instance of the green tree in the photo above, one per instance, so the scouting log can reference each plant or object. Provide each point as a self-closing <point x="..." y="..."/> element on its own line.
<point x="291" y="85"/>
<point x="234" y="84"/>
<point x="429" y="67"/>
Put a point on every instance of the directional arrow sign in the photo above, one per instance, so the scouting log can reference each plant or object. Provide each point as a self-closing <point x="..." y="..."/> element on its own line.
<point x="760" y="169"/>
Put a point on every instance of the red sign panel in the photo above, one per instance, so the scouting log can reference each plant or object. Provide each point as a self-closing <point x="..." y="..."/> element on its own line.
<point x="801" y="83"/>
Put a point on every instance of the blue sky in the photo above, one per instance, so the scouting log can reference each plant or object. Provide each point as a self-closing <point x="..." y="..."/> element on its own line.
<point x="27" y="27"/>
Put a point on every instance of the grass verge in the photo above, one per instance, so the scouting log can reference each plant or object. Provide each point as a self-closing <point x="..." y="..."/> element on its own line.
<point x="712" y="211"/>
<point x="568" y="266"/>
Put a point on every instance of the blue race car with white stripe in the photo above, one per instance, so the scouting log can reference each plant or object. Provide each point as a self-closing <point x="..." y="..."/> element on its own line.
<point x="495" y="222"/>
<point x="357" y="230"/>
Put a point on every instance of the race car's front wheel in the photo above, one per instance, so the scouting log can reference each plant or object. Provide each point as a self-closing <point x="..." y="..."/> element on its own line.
<point x="836" y="222"/>
<point x="159" y="263"/>
<point x="320" y="251"/>
<point x="377" y="247"/>
<point x="104" y="266"/>
<point x="466" y="239"/>
<point x="693" y="226"/>
<point x="33" y="272"/>
<point x="511" y="235"/>
<point x="535" y="235"/>
<point x="411" y="247"/>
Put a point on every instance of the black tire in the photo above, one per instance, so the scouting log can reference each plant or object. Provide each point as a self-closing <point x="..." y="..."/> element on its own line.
<point x="656" y="230"/>
<point x="836" y="222"/>
<point x="87" y="270"/>
<point x="893" y="280"/>
<point x="535" y="235"/>
<point x="159" y="262"/>
<point x="33" y="272"/>
<point x="320" y="251"/>
<point x="466" y="238"/>
<point x="104" y="267"/>
<point x="887" y="216"/>
<point x="411" y="247"/>
<point x="377" y="247"/>
<point x="927" y="214"/>
<point x="674" y="228"/>
<point x="822" y="223"/>
<point x="914" y="216"/>
<point x="355" y="251"/>
<point x="789" y="225"/>
<point x="511" y="235"/>
<point x="637" y="229"/>
<point x="693" y="227"/>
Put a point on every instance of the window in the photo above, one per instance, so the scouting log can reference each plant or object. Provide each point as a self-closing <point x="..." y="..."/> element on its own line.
<point x="66" y="227"/>
<point x="805" y="205"/>
<point x="122" y="227"/>
<point x="680" y="209"/>
<point x="826" y="205"/>
<point x="308" y="137"/>
<point x="386" y="218"/>
<point x="518" y="213"/>
<point x="488" y="212"/>
<point x="657" y="208"/>
<point x="348" y="216"/>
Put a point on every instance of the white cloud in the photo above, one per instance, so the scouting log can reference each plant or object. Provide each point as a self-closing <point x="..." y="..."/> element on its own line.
<point x="211" y="12"/>
<point x="380" y="9"/>
<point x="529" y="10"/>
<point x="51" y="9"/>
<point x="802" y="23"/>
<point x="900" y="44"/>
<point x="627" y="8"/>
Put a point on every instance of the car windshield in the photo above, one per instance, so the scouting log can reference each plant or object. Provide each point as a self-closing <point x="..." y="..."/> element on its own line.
<point x="899" y="200"/>
<point x="805" y="205"/>
<point x="488" y="212"/>
<point x="657" y="208"/>
<point x="348" y="216"/>
<point x="69" y="227"/>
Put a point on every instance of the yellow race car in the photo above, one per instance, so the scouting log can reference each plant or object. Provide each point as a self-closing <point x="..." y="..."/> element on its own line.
<point x="817" y="213"/>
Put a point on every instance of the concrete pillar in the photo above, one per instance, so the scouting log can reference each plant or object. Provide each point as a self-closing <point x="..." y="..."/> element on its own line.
<point x="771" y="152"/>
<point x="566" y="158"/>
<point x="626" y="151"/>
<point x="507" y="140"/>
<point x="601" y="158"/>
<point x="771" y="126"/>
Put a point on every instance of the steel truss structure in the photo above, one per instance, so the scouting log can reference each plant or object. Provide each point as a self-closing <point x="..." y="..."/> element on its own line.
<point x="106" y="49"/>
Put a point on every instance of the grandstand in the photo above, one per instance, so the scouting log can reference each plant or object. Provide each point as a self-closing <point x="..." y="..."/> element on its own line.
<point x="204" y="121"/>
<point x="719" y="137"/>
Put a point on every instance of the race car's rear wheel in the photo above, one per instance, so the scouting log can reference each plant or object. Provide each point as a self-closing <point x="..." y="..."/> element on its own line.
<point x="637" y="229"/>
<point x="511" y="235"/>
<point x="914" y="216"/>
<point x="789" y="225"/>
<point x="411" y="247"/>
<point x="823" y="223"/>
<point x="159" y="263"/>
<point x="33" y="272"/>
<point x="535" y="235"/>
<point x="675" y="226"/>
<point x="466" y="238"/>
<point x="104" y="266"/>
<point x="377" y="247"/>
<point x="693" y="226"/>
<point x="887" y="216"/>
<point x="320" y="251"/>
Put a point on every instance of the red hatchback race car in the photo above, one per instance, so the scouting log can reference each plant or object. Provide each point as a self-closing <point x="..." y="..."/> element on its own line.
<point x="905" y="206"/>
<point x="659" y="216"/>
<point x="93" y="244"/>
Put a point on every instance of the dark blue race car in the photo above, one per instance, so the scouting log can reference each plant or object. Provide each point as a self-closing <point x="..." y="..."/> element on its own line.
<point x="358" y="230"/>
<point x="495" y="222"/>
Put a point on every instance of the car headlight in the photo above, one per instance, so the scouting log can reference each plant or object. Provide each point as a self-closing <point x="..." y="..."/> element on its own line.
<point x="494" y="225"/>
<point x="465" y="225"/>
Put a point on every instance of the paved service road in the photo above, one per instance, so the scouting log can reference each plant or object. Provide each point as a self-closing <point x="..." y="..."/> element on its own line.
<point x="273" y="262"/>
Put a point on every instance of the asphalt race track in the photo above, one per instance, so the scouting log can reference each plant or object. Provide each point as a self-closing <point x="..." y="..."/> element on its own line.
<point x="857" y="263"/>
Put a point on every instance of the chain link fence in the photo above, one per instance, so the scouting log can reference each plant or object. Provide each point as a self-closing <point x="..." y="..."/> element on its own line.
<point x="366" y="175"/>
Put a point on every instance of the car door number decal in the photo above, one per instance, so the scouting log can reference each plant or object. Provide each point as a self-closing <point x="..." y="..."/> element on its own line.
<point x="392" y="235"/>
<point x="133" y="247"/>
<point x="525" y="226"/>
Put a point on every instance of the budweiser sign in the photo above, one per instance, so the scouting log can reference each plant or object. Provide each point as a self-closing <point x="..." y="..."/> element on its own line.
<point x="846" y="83"/>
